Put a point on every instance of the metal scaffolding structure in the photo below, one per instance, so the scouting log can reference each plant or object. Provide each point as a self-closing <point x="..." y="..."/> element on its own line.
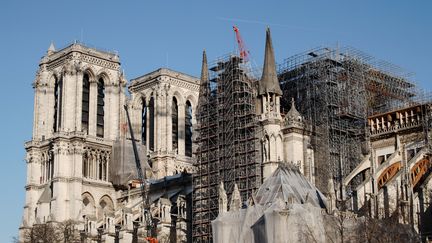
<point x="335" y="89"/>
<point x="227" y="145"/>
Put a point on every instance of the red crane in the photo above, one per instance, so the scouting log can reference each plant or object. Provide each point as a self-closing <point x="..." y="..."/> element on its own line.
<point x="244" y="53"/>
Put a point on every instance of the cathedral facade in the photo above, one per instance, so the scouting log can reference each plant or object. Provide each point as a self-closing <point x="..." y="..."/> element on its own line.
<point x="80" y="167"/>
<point x="204" y="142"/>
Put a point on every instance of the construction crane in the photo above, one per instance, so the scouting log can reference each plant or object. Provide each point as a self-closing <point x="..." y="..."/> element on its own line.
<point x="244" y="53"/>
<point x="143" y="185"/>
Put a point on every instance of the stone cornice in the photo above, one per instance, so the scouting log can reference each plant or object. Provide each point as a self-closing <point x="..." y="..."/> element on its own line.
<point x="166" y="76"/>
<point x="384" y="142"/>
<point x="294" y="129"/>
<point x="97" y="183"/>
<point x="82" y="53"/>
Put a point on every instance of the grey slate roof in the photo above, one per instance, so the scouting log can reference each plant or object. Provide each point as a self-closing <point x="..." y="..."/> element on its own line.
<point x="289" y="185"/>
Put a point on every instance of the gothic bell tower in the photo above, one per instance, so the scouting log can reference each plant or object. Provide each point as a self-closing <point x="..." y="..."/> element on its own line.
<point x="269" y="94"/>
<point x="79" y="92"/>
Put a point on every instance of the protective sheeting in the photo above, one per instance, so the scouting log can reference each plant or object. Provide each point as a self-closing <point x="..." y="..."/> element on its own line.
<point x="289" y="185"/>
<point x="278" y="223"/>
<point x="287" y="208"/>
<point x="290" y="209"/>
<point x="123" y="167"/>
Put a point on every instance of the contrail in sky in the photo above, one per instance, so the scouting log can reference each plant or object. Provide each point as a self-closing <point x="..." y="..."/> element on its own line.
<point x="264" y="23"/>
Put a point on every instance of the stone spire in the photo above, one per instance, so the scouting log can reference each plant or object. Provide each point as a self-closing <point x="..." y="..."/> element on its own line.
<point x="269" y="82"/>
<point x="204" y="69"/>
<point x="51" y="49"/>
<point x="204" y="87"/>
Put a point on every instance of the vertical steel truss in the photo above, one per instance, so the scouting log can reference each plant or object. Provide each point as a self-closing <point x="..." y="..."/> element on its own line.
<point x="226" y="143"/>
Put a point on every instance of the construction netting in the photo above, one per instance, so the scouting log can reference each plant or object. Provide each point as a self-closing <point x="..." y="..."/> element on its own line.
<point x="123" y="167"/>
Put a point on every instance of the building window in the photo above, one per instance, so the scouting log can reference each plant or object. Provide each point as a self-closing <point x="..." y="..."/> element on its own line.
<point x="58" y="88"/>
<point x="86" y="166"/>
<point x="174" y="121"/>
<point x="100" y="108"/>
<point x="151" y="127"/>
<point x="143" y="122"/>
<point x="100" y="169"/>
<point x="51" y="166"/>
<point x="85" y="104"/>
<point x="188" y="129"/>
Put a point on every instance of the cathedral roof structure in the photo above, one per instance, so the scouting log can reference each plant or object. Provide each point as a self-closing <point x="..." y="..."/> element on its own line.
<point x="290" y="186"/>
<point x="269" y="82"/>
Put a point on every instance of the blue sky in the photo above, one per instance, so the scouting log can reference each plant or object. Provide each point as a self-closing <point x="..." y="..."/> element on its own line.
<point x="173" y="34"/>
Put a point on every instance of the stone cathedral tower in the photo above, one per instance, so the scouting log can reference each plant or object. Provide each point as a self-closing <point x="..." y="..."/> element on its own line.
<point x="269" y="93"/>
<point x="79" y="97"/>
<point x="163" y="112"/>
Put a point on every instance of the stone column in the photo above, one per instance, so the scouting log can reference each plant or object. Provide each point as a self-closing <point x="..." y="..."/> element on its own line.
<point x="78" y="100"/>
<point x="75" y="186"/>
<point x="68" y="106"/>
<point x="62" y="170"/>
<point x="49" y="108"/>
<point x="107" y="109"/>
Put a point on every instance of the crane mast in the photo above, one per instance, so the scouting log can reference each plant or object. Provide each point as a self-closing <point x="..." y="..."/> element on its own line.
<point x="143" y="185"/>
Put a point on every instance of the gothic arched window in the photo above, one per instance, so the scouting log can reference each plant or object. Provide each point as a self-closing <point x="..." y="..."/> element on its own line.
<point x="58" y="88"/>
<point x="152" y="123"/>
<point x="143" y="122"/>
<point x="174" y="121"/>
<point x="85" y="103"/>
<point x="100" y="169"/>
<point x="188" y="129"/>
<point x="86" y="166"/>
<point x="100" y="108"/>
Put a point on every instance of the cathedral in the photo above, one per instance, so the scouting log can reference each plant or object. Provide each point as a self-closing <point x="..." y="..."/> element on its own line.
<point x="220" y="148"/>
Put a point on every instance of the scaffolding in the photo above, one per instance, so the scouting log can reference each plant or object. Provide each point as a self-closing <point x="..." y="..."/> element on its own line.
<point x="227" y="144"/>
<point x="336" y="89"/>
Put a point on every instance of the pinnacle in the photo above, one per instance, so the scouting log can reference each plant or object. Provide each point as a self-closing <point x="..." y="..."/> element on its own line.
<point x="51" y="49"/>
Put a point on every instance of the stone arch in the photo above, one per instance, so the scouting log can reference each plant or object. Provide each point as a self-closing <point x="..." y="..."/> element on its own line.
<point x="88" y="204"/>
<point x="189" y="96"/>
<point x="106" y="76"/>
<point x="147" y="95"/>
<point x="266" y="147"/>
<point x="55" y="75"/>
<point x="106" y="206"/>
<point x="273" y="149"/>
<point x="90" y="72"/>
<point x="137" y="100"/>
<point x="279" y="147"/>
<point x="180" y="99"/>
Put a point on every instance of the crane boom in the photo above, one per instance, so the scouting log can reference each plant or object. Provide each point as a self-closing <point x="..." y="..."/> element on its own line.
<point x="141" y="176"/>
<point x="244" y="53"/>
